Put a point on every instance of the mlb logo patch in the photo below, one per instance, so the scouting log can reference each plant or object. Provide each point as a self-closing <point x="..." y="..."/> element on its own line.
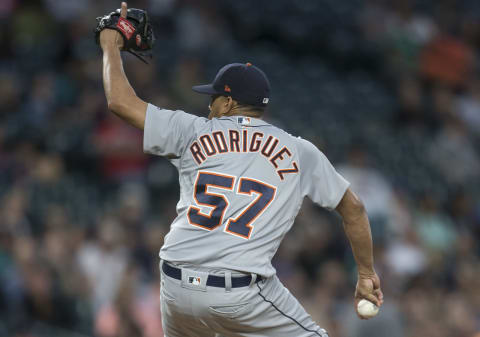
<point x="244" y="120"/>
<point x="194" y="280"/>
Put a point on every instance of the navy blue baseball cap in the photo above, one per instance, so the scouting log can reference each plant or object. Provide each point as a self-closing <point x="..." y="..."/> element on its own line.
<point x="245" y="83"/>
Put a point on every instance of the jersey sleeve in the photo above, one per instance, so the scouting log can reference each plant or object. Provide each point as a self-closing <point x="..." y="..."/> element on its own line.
<point x="166" y="132"/>
<point x="318" y="178"/>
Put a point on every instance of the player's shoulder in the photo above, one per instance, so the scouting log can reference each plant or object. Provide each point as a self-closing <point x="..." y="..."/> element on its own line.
<point x="294" y="141"/>
<point x="303" y="143"/>
<point x="307" y="150"/>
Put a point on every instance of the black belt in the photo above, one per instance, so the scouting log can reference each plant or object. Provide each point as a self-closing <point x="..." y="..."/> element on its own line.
<point x="212" y="280"/>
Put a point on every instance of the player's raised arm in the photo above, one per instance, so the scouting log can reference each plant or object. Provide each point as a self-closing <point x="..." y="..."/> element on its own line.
<point x="357" y="229"/>
<point x="121" y="97"/>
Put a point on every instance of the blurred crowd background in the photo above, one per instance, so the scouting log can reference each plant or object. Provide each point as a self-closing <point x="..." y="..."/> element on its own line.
<point x="388" y="89"/>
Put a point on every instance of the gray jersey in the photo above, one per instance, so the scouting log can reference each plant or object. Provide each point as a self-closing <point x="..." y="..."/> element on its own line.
<point x="242" y="182"/>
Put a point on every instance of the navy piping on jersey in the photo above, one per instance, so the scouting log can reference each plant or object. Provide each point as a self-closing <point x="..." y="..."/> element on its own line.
<point x="284" y="314"/>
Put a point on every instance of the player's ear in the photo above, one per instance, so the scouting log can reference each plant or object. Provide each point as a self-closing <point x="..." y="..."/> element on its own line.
<point x="229" y="103"/>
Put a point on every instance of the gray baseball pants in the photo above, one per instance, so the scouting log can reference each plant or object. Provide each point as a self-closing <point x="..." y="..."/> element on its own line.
<point x="190" y="308"/>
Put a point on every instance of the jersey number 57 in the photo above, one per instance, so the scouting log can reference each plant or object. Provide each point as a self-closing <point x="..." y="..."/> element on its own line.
<point x="242" y="225"/>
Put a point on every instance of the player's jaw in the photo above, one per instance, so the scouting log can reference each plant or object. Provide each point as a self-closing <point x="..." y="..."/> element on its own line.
<point x="212" y="107"/>
<point x="213" y="113"/>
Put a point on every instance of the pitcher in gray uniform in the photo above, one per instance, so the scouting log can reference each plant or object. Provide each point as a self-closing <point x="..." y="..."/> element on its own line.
<point x="242" y="182"/>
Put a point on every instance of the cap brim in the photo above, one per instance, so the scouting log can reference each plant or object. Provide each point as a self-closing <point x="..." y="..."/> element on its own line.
<point x="206" y="89"/>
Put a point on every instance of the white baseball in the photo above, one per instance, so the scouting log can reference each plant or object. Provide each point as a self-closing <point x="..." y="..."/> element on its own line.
<point x="367" y="308"/>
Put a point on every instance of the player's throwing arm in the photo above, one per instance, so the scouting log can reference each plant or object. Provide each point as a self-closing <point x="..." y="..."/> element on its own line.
<point x="357" y="228"/>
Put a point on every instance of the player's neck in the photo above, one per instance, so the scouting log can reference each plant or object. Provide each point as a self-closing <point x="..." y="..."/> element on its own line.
<point x="241" y="112"/>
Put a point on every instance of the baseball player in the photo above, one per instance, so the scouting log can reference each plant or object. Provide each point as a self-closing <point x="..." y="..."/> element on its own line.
<point x="242" y="182"/>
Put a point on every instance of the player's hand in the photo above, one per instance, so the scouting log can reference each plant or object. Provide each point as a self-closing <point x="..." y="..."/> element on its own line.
<point x="110" y="37"/>
<point x="368" y="287"/>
